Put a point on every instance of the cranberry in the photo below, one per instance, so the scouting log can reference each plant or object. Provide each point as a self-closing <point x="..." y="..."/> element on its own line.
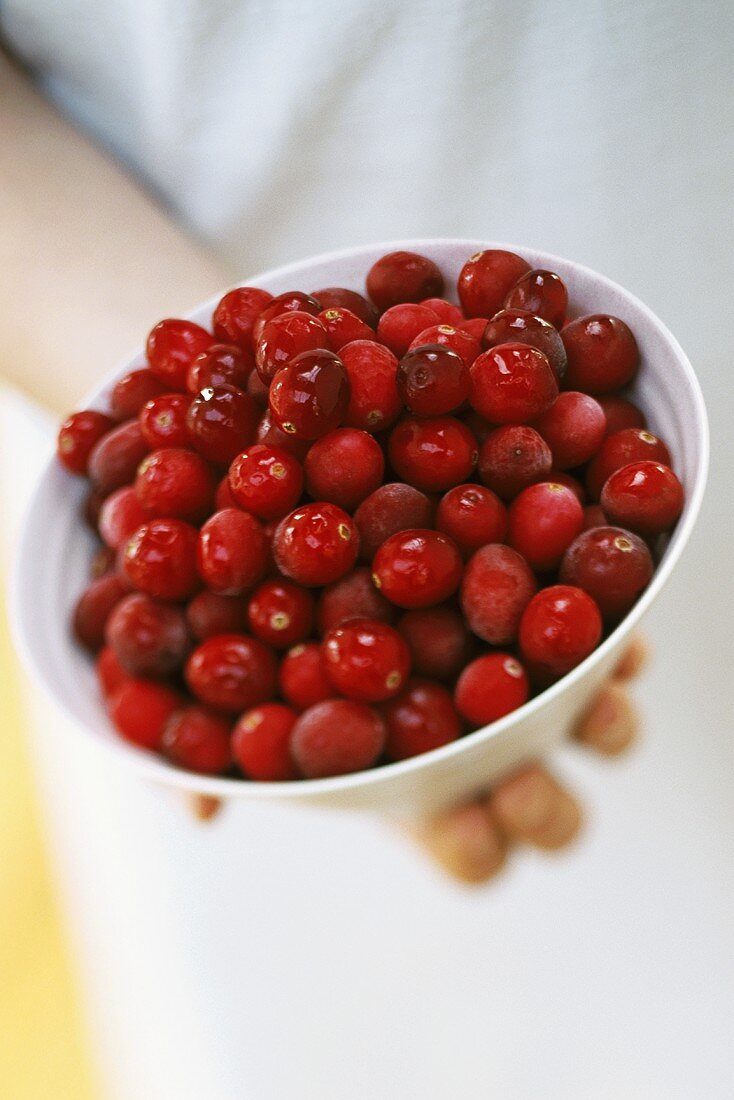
<point x="236" y="313"/>
<point x="303" y="679"/>
<point x="140" y="710"/>
<point x="77" y="437"/>
<point x="284" y="338"/>
<point x="352" y="597"/>
<point x="511" y="384"/>
<point x="474" y="326"/>
<point x="175" y="482"/>
<point x="542" y="293"/>
<point x="232" y="552"/>
<point x="198" y="739"/>
<point x="115" y="457"/>
<point x="281" y="613"/>
<point x="594" y="517"/>
<point x="366" y="659"/>
<point x="110" y="673"/>
<point x="266" y="481"/>
<point x="491" y="687"/>
<point x="160" y="559"/>
<point x="602" y="354"/>
<point x="422" y="718"/>
<point x="468" y="347"/>
<point x="148" y="637"/>
<point x="172" y="347"/>
<point x="438" y="640"/>
<point x="336" y="737"/>
<point x="132" y="391"/>
<point x="258" y="390"/>
<point x="403" y="277"/>
<point x="163" y="421"/>
<point x="620" y="413"/>
<point x="400" y="325"/>
<point x="433" y="380"/>
<point x="338" y="297"/>
<point x="543" y="522"/>
<point x="513" y="457"/>
<point x="486" y="278"/>
<point x="120" y="516"/>
<point x="270" y="435"/>
<point x="612" y="565"/>
<point x="103" y="562"/>
<point x="291" y="301"/>
<point x="618" y="450"/>
<point x="261" y="743"/>
<point x="232" y="672"/>
<point x="221" y="422"/>
<point x="646" y="497"/>
<point x="515" y="326"/>
<point x="433" y="454"/>
<point x="219" y="365"/>
<point x="343" y="327"/>
<point x="573" y="427"/>
<point x="447" y="312"/>
<point x="94" y="607"/>
<point x="209" y="614"/>
<point x="223" y="497"/>
<point x="477" y="424"/>
<point x="374" y="401"/>
<point x="316" y="544"/>
<point x="472" y="516"/>
<point x="417" y="568"/>
<point x="391" y="508"/>
<point x="560" y="627"/>
<point x="496" y="588"/>
<point x="309" y="397"/>
<point x="344" y="467"/>
<point x="562" y="477"/>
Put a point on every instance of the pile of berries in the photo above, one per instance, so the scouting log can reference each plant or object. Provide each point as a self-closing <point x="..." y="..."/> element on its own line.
<point x="340" y="530"/>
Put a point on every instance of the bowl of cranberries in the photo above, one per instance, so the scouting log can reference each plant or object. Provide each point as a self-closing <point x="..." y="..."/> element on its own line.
<point x="369" y="530"/>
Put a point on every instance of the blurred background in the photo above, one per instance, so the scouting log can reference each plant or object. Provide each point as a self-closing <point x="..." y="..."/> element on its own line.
<point x="153" y="153"/>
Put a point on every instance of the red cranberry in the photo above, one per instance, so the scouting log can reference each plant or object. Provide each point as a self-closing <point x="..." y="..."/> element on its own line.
<point x="281" y="613"/>
<point x="77" y="437"/>
<point x="352" y="597"/>
<point x="309" y="397"/>
<point x="232" y="672"/>
<point x="219" y="365"/>
<point x="140" y="709"/>
<point x="366" y="659"/>
<point x="223" y="497"/>
<point x="433" y="380"/>
<point x="422" y="718"/>
<point x="175" y="482"/>
<point x="543" y="522"/>
<point x="497" y="587"/>
<point x="172" y="347"/>
<point x="511" y="384"/>
<point x="515" y="326"/>
<point x="209" y="614"/>
<point x="486" y="278"/>
<point x="562" y="477"/>
<point x="132" y="391"/>
<point x="560" y="627"/>
<point x="513" y="457"/>
<point x="232" y="552"/>
<point x="291" y="301"/>
<point x="646" y="497"/>
<point x="198" y="739"/>
<point x="343" y="327"/>
<point x="618" y="450"/>
<point x="149" y="638"/>
<point x="472" y="516"/>
<point x="417" y="568"/>
<point x="338" y="297"/>
<point x="160" y="559"/>
<point x="433" y="454"/>
<point x="620" y="413"/>
<point x="474" y="326"/>
<point x="573" y="427"/>
<point x="236" y="313"/>
<point x="258" y="390"/>
<point x="612" y="565"/>
<point x="316" y="544"/>
<point x="374" y="401"/>
<point x="602" y="354"/>
<point x="93" y="609"/>
<point x="468" y="347"/>
<point x="403" y="277"/>
<point x="542" y="293"/>
<point x="336" y="737"/>
<point x="344" y="467"/>
<point x="447" y="312"/>
<point x="391" y="508"/>
<point x="594" y="517"/>
<point x="438" y="640"/>
<point x="270" y="435"/>
<point x="120" y="516"/>
<point x="261" y="743"/>
<point x="400" y="325"/>
<point x="163" y="421"/>
<point x="266" y="481"/>
<point x="303" y="679"/>
<point x="222" y="422"/>
<point x="284" y="338"/>
<point x="110" y="673"/>
<point x="491" y="687"/>
<point x="115" y="457"/>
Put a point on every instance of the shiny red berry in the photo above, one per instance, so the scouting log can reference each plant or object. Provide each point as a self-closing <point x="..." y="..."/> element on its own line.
<point x="344" y="467"/>
<point x="222" y="422"/>
<point x="417" y="568"/>
<point x="602" y="354"/>
<point x="513" y="457"/>
<point x="472" y="516"/>
<point x="434" y="453"/>
<point x="573" y="427"/>
<point x="177" y="483"/>
<point x="491" y="687"/>
<point x="140" y="709"/>
<point x="291" y="301"/>
<point x="515" y="326"/>
<point x="172" y="347"/>
<point x="366" y="659"/>
<point x="612" y="565"/>
<point x="115" y="457"/>
<point x="352" y="597"/>
<point x="474" y="326"/>
<point x="620" y="413"/>
<point x="618" y="450"/>
<point x="465" y="345"/>
<point x="543" y="521"/>
<point x="645" y="497"/>
<point x="496" y="588"/>
<point x="439" y="642"/>
<point x="197" y="738"/>
<point x="280" y="613"/>
<point x="560" y="627"/>
<point x="303" y="680"/>
<point x="232" y="552"/>
<point x="120" y="516"/>
<point x="220" y="365"/>
<point x="390" y="508"/>
<point x="316" y="544"/>
<point x="160" y="559"/>
<point x="423" y="717"/>
<point x="261" y="743"/>
<point x="284" y="338"/>
<point x="594" y="517"/>
<point x="266" y="481"/>
<point x="309" y="397"/>
<point x="343" y="327"/>
<point x="93" y="609"/>
<point x="512" y="384"/>
<point x="433" y="380"/>
<point x="447" y="312"/>
<point x="163" y="421"/>
<point x="374" y="401"/>
<point x="232" y="672"/>
<point x="132" y="391"/>
<point x="236" y="313"/>
<point x="209" y="614"/>
<point x="542" y="293"/>
<point x="403" y="277"/>
<point x="336" y="737"/>
<point x="77" y="437"/>
<point x="150" y="638"/>
<point x="269" y="434"/>
<point x="486" y="278"/>
<point x="400" y="325"/>
<point x="338" y="297"/>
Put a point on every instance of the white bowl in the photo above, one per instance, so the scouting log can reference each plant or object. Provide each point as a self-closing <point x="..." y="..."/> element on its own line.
<point x="55" y="550"/>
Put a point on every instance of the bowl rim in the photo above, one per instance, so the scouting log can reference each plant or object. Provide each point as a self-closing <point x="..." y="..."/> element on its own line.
<point x="160" y="771"/>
